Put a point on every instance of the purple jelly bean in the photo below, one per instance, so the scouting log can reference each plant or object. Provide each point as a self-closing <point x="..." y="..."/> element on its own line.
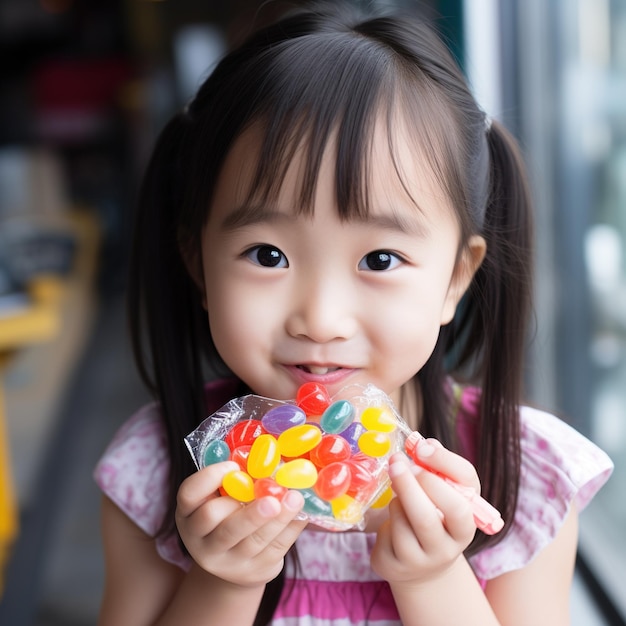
<point x="282" y="417"/>
<point x="337" y="417"/>
<point x="352" y="434"/>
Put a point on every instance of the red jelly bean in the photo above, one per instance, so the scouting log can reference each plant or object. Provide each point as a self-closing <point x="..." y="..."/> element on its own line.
<point x="333" y="481"/>
<point x="313" y="398"/>
<point x="363" y="482"/>
<point x="268" y="487"/>
<point x="244" y="433"/>
<point x="240" y="455"/>
<point x="330" y="449"/>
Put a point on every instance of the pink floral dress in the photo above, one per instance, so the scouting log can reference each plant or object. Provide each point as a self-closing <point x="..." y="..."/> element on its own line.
<point x="334" y="584"/>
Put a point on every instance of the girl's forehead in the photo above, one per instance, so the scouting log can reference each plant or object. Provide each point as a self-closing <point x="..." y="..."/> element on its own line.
<point x="392" y="169"/>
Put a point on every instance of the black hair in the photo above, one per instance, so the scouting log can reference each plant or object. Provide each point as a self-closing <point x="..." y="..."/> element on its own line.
<point x="314" y="75"/>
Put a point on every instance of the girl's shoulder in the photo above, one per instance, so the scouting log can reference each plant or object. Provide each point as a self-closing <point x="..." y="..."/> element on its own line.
<point x="559" y="466"/>
<point x="133" y="471"/>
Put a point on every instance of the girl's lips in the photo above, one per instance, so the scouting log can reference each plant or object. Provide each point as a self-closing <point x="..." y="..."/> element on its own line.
<point x="327" y="375"/>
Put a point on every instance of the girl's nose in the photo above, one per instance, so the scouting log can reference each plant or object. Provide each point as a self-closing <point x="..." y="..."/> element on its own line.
<point x="323" y="311"/>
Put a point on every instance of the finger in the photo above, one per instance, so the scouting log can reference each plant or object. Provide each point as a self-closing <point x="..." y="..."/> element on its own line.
<point x="201" y="486"/>
<point x="279" y="531"/>
<point x="257" y="524"/>
<point x="420" y="511"/>
<point x="431" y="454"/>
<point x="455" y="508"/>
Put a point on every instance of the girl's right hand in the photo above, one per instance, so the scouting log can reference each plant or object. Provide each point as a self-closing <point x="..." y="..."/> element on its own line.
<point x="242" y="544"/>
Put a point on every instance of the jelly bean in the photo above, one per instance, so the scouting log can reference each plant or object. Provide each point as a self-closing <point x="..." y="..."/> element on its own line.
<point x="352" y="434"/>
<point x="384" y="499"/>
<point x="347" y="509"/>
<point x="380" y="419"/>
<point x="333" y="481"/>
<point x="268" y="487"/>
<point x="314" y="505"/>
<point x="244" y="433"/>
<point x="215" y="452"/>
<point x="363" y="482"/>
<point x="312" y="398"/>
<point x="330" y="449"/>
<point x="299" y="440"/>
<point x="240" y="455"/>
<point x="264" y="456"/>
<point x="296" y="474"/>
<point x="337" y="417"/>
<point x="239" y="485"/>
<point x="374" y="443"/>
<point x="282" y="417"/>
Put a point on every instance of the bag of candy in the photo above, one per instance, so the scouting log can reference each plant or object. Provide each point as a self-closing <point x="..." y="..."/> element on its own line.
<point x="334" y="450"/>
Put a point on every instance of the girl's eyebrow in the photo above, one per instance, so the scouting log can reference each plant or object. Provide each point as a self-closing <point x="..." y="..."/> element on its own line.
<point x="247" y="215"/>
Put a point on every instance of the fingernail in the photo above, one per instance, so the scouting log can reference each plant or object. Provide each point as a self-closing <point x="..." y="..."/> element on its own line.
<point x="293" y="500"/>
<point x="395" y="469"/>
<point x="425" y="449"/>
<point x="268" y="507"/>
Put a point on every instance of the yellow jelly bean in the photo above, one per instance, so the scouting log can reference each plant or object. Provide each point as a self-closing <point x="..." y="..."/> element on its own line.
<point x="264" y="456"/>
<point x="378" y="418"/>
<point x="239" y="485"/>
<point x="346" y="509"/>
<point x="374" y="443"/>
<point x="384" y="499"/>
<point x="299" y="440"/>
<point x="296" y="474"/>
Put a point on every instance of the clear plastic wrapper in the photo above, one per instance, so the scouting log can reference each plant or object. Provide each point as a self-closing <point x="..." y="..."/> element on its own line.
<point x="334" y="450"/>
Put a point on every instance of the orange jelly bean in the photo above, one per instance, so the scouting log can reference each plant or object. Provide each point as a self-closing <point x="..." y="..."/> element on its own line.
<point x="330" y="449"/>
<point x="240" y="455"/>
<point x="333" y="481"/>
<point x="268" y="487"/>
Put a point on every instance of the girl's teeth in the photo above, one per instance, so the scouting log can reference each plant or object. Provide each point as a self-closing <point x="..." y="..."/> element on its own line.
<point x="320" y="371"/>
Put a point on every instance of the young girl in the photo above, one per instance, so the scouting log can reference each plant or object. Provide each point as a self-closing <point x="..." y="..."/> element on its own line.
<point x="334" y="207"/>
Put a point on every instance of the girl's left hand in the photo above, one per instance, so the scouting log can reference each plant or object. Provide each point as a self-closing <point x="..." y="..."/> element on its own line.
<point x="430" y="524"/>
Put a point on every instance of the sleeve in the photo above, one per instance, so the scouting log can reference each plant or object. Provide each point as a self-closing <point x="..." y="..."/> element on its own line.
<point x="133" y="473"/>
<point x="559" y="466"/>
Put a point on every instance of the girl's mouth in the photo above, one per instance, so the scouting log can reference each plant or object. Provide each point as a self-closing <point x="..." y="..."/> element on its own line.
<point x="318" y="370"/>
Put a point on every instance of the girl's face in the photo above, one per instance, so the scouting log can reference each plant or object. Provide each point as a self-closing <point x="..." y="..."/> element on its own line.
<point x="293" y="298"/>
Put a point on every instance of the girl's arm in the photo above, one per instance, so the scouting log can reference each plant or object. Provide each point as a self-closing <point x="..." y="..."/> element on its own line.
<point x="236" y="550"/>
<point x="540" y="592"/>
<point x="141" y="588"/>
<point x="419" y="551"/>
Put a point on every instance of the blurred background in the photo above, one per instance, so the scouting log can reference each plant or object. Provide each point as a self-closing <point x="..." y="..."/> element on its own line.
<point x="85" y="85"/>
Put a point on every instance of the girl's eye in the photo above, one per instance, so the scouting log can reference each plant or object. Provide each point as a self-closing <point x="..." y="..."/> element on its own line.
<point x="267" y="256"/>
<point x="379" y="261"/>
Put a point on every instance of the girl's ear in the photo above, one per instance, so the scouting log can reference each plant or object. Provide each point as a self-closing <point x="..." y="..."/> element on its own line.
<point x="192" y="259"/>
<point x="470" y="260"/>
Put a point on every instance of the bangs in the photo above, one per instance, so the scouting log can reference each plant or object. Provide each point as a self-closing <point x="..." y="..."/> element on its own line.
<point x="331" y="90"/>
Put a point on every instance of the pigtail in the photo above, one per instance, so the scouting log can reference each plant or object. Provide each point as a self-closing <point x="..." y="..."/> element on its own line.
<point x="498" y="322"/>
<point x="165" y="314"/>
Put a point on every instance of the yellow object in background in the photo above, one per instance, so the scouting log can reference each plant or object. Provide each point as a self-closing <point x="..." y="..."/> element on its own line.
<point x="8" y="506"/>
<point x="39" y="322"/>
